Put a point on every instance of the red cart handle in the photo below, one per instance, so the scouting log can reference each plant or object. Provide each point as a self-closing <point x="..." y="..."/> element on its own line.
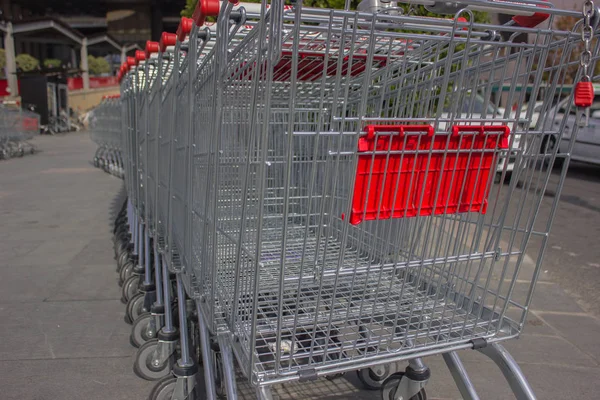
<point x="531" y="21"/>
<point x="167" y="39"/>
<point x="139" y="56"/>
<point x="151" y="47"/>
<point x="184" y="28"/>
<point x="206" y="8"/>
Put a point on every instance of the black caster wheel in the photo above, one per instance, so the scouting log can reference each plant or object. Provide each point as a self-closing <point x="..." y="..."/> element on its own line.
<point x="164" y="389"/>
<point x="122" y="244"/>
<point x="390" y="385"/>
<point x="126" y="272"/>
<point x="130" y="287"/>
<point x="135" y="308"/>
<point x="219" y="376"/>
<point x="146" y="367"/>
<point x="372" y="378"/>
<point x="122" y="259"/>
<point x="122" y="236"/>
<point x="139" y="330"/>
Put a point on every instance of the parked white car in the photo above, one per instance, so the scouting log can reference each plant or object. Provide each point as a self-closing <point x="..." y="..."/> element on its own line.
<point x="477" y="108"/>
<point x="587" y="143"/>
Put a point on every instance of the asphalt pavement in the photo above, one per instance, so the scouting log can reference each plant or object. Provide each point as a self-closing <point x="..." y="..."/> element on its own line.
<point x="62" y="334"/>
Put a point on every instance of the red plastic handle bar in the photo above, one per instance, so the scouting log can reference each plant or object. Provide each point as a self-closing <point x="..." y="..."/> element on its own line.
<point x="502" y="130"/>
<point x="399" y="129"/>
<point x="531" y="21"/>
<point x="481" y="129"/>
<point x="151" y="47"/>
<point x="205" y="8"/>
<point x="130" y="62"/>
<point x="167" y="39"/>
<point x="184" y="28"/>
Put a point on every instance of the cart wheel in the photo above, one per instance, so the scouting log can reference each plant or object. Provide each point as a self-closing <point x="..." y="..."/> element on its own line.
<point x="164" y="389"/>
<point x="144" y="367"/>
<point x="135" y="307"/>
<point x="219" y="376"/>
<point x="390" y="385"/>
<point x="122" y="259"/>
<point x="126" y="272"/>
<point x="130" y="287"/>
<point x="372" y="378"/>
<point x="122" y="232"/>
<point x="139" y="334"/>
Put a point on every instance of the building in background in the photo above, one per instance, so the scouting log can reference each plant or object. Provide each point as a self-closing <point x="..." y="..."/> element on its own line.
<point x="128" y="22"/>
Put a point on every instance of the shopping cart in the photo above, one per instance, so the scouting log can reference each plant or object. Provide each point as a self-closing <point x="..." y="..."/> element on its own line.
<point x="335" y="200"/>
<point x="106" y="131"/>
<point x="17" y="128"/>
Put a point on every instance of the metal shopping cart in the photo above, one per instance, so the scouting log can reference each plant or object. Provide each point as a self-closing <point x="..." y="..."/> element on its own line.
<point x="106" y="131"/>
<point x="331" y="196"/>
<point x="17" y="128"/>
<point x="342" y="213"/>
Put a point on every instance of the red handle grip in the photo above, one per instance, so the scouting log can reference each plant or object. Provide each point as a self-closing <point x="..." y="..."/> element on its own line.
<point x="151" y="47"/>
<point x="531" y="21"/>
<point x="139" y="56"/>
<point x="399" y="129"/>
<point x="205" y="8"/>
<point x="167" y="39"/>
<point x="184" y="28"/>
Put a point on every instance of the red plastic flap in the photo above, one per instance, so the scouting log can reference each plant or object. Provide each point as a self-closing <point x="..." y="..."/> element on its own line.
<point x="184" y="28"/>
<point x="408" y="171"/>
<point x="531" y="21"/>
<point x="584" y="94"/>
<point x="311" y="65"/>
<point x="205" y="8"/>
<point x="151" y="47"/>
<point x="167" y="39"/>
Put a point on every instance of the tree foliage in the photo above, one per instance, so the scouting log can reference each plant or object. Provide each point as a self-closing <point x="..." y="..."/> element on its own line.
<point x="479" y="16"/>
<point x="52" y="63"/>
<point x="98" y="65"/>
<point x="27" y="63"/>
<point x="555" y="57"/>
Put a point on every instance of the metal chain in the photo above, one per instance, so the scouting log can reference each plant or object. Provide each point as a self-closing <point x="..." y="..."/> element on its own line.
<point x="586" y="37"/>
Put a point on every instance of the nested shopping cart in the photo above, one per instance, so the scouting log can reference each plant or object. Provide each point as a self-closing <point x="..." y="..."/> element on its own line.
<point x="106" y="131"/>
<point x="17" y="127"/>
<point x="343" y="213"/>
<point x="341" y="191"/>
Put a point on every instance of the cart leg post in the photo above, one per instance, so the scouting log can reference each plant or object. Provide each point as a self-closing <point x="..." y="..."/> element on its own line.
<point x="207" y="359"/>
<point x="460" y="376"/>
<point x="228" y="367"/>
<point x="264" y="393"/>
<point x="510" y="369"/>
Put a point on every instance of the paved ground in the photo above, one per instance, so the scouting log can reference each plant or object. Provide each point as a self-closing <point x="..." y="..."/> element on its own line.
<point x="62" y="334"/>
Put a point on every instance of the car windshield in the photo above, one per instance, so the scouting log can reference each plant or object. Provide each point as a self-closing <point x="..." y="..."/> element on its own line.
<point x="474" y="104"/>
